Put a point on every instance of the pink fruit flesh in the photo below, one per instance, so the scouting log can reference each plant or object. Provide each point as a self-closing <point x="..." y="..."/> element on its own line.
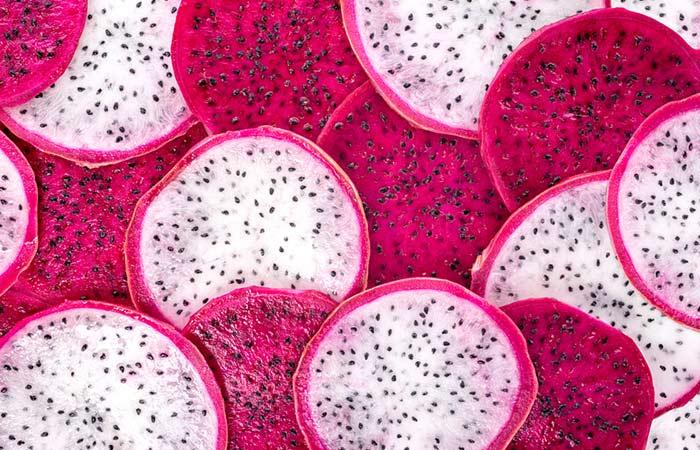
<point x="595" y="389"/>
<point x="38" y="42"/>
<point x="568" y="100"/>
<point x="245" y="64"/>
<point x="430" y="204"/>
<point x="253" y="339"/>
<point x="653" y="212"/>
<point x="414" y="363"/>
<point x="14" y="306"/>
<point x="83" y="216"/>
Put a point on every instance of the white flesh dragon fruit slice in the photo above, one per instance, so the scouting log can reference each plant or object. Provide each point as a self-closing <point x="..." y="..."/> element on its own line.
<point x="558" y="245"/>
<point x="93" y="375"/>
<point x="653" y="210"/>
<point x="118" y="98"/>
<point x="433" y="60"/>
<point x="254" y="207"/>
<point x="418" y="363"/>
<point x="18" y="213"/>
<point x="683" y="16"/>
<point x="678" y="429"/>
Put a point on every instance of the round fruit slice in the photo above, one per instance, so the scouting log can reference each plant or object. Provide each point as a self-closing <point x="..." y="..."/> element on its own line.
<point x="252" y="339"/>
<point x="118" y="97"/>
<point x="681" y="15"/>
<point x="677" y="429"/>
<point x="106" y="377"/>
<point x="259" y="62"/>
<point x="653" y="210"/>
<point x="568" y="100"/>
<point x="558" y="246"/>
<point x="595" y="389"/>
<point x="433" y="60"/>
<point x="256" y="207"/>
<point x="18" y="214"/>
<point x="418" y="363"/>
<point x="39" y="39"/>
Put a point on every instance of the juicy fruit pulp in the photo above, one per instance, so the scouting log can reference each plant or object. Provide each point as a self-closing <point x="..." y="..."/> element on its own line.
<point x="420" y="191"/>
<point x="433" y="61"/>
<point x="677" y="428"/>
<point x="107" y="377"/>
<point x="417" y="363"/>
<point x="257" y="207"/>
<point x="568" y="100"/>
<point x="252" y="339"/>
<point x="280" y="63"/>
<point x="683" y="16"/>
<point x="653" y="210"/>
<point x="558" y="246"/>
<point x="595" y="389"/>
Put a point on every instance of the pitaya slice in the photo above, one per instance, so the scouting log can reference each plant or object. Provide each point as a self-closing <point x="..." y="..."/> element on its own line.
<point x="253" y="339"/>
<point x="93" y="375"/>
<point x="681" y="15"/>
<point x="83" y="216"/>
<point x="418" y="363"/>
<point x="653" y="211"/>
<point x="260" y="62"/>
<point x="261" y="207"/>
<point x="677" y="429"/>
<point x="433" y="60"/>
<point x="118" y="98"/>
<point x="595" y="389"/>
<point x="420" y="190"/>
<point x="568" y="100"/>
<point x="18" y="213"/>
<point x="558" y="246"/>
<point x="38" y="41"/>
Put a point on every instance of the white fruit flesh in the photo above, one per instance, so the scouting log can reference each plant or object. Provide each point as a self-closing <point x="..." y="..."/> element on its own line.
<point x="683" y="16"/>
<point x="678" y="429"/>
<point x="14" y="212"/>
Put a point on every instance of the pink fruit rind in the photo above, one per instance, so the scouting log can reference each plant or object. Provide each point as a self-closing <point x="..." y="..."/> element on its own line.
<point x="528" y="386"/>
<point x="92" y="157"/>
<point x="142" y="297"/>
<point x="416" y="118"/>
<point x="482" y="267"/>
<point x="28" y="249"/>
<point x="186" y="347"/>
<point x="614" y="191"/>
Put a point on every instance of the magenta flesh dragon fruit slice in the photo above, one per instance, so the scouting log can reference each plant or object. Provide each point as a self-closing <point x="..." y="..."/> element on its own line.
<point x="261" y="206"/>
<point x="83" y="217"/>
<point x="282" y="63"/>
<point x="18" y="213"/>
<point x="558" y="246"/>
<point x="677" y="429"/>
<point x="683" y="16"/>
<point x="118" y="97"/>
<point x="430" y="204"/>
<point x="433" y="61"/>
<point x="567" y="101"/>
<point x="653" y="210"/>
<point x="594" y="388"/>
<point x="38" y="41"/>
<point x="93" y="375"/>
<point x="253" y="339"/>
<point x="418" y="363"/>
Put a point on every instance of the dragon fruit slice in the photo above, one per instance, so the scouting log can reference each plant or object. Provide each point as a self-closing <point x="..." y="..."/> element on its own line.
<point x="681" y="15"/>
<point x="568" y="100"/>
<point x="259" y="62"/>
<point x="254" y="207"/>
<point x="652" y="210"/>
<point x="558" y="246"/>
<point x="417" y="363"/>
<point x="39" y="39"/>
<point x="421" y="191"/>
<point x="677" y="429"/>
<point x="118" y="98"/>
<point x="93" y="375"/>
<point x="83" y="216"/>
<point x="595" y="389"/>
<point x="18" y="222"/>
<point x="433" y="61"/>
<point x="253" y="339"/>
